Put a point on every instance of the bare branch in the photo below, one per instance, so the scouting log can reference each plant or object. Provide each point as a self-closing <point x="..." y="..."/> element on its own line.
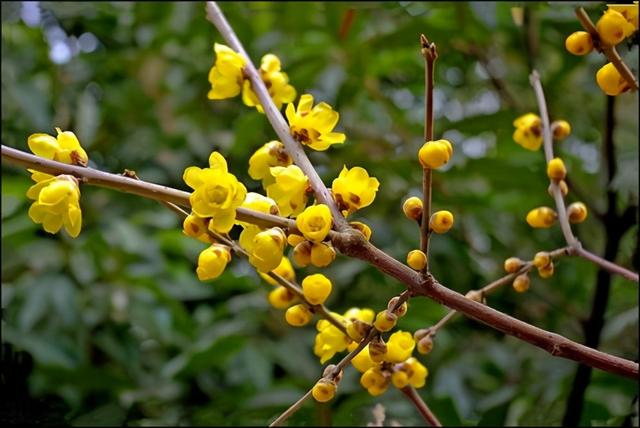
<point x="411" y="393"/>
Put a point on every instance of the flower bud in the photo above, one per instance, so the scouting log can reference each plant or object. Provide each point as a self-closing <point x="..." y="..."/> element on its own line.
<point x="546" y="271"/>
<point x="322" y="254"/>
<point x="513" y="264"/>
<point x="560" y="129"/>
<point x="434" y="154"/>
<point x="577" y="212"/>
<point x="556" y="169"/>
<point x="324" y="390"/>
<point x="302" y="253"/>
<point x="541" y="259"/>
<point x="541" y="217"/>
<point x="412" y="208"/>
<point x="385" y="320"/>
<point x="579" y="43"/>
<point x="441" y="221"/>
<point x="417" y="260"/>
<point x="298" y="315"/>
<point x="521" y="283"/>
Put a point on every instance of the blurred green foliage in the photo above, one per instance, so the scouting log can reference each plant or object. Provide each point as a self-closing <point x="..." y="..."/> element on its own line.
<point x="118" y="326"/>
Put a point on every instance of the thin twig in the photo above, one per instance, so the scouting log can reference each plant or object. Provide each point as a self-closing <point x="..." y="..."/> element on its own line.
<point x="607" y="50"/>
<point x="548" y="153"/>
<point x="430" y="54"/>
<point x="291" y="410"/>
<point x="357" y="246"/>
<point x="494" y="285"/>
<point x="293" y="147"/>
<point x="422" y="407"/>
<point x="557" y="194"/>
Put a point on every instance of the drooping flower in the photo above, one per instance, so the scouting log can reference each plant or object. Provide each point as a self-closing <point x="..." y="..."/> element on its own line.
<point x="354" y="189"/>
<point x="284" y="269"/>
<point x="196" y="227"/>
<point x="528" y="131"/>
<point x="289" y="189"/>
<point x="266" y="250"/>
<point x="276" y="81"/>
<point x="57" y="204"/>
<point x="257" y="202"/>
<point x="216" y="193"/>
<point x="226" y="75"/>
<point x="64" y="148"/>
<point x="212" y="262"/>
<point x="313" y="126"/>
<point x="269" y="155"/>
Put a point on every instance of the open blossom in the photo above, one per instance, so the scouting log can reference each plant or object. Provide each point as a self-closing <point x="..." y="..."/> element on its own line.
<point x="528" y="131"/>
<point x="269" y="155"/>
<point x="315" y="222"/>
<point x="57" y="204"/>
<point x="276" y="81"/>
<point x="354" y="189"/>
<point x="266" y="249"/>
<point x="289" y="189"/>
<point x="216" y="193"/>
<point x="64" y="148"/>
<point x="313" y="126"/>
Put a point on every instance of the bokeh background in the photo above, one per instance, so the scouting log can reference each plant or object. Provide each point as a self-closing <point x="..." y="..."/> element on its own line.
<point x="114" y="328"/>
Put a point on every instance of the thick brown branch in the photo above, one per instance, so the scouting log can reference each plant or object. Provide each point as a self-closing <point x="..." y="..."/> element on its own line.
<point x="293" y="147"/>
<point x="607" y="50"/>
<point x="354" y="244"/>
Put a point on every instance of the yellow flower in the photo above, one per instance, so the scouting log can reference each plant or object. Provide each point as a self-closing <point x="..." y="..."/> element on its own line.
<point x="226" y="75"/>
<point x="257" y="202"/>
<point x="281" y="298"/>
<point x="284" y="269"/>
<point x="298" y="315"/>
<point x="399" y="347"/>
<point x="329" y="339"/>
<point x="528" y="131"/>
<point x="363" y="362"/>
<point x="212" y="261"/>
<point x="57" y="204"/>
<point x="610" y="80"/>
<point x="417" y="372"/>
<point x="313" y="126"/>
<point x="354" y="189"/>
<point x="374" y="381"/>
<point x="267" y="249"/>
<point x="629" y="11"/>
<point x="64" y="148"/>
<point x="217" y="193"/>
<point x="270" y="154"/>
<point x="289" y="189"/>
<point x="315" y="222"/>
<point x="322" y="255"/>
<point x="324" y="390"/>
<point x="276" y="81"/>
<point x="316" y="288"/>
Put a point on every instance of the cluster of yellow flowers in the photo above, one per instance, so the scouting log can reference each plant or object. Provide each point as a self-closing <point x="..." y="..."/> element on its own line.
<point x="542" y="262"/>
<point x="57" y="198"/>
<point x="228" y="79"/>
<point x="617" y="23"/>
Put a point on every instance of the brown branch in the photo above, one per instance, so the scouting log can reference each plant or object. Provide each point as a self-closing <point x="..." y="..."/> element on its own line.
<point x="607" y="50"/>
<point x="411" y="393"/>
<point x="606" y="264"/>
<point x="291" y="410"/>
<point x="354" y="244"/>
<point x="293" y="147"/>
<point x="430" y="54"/>
<point x="492" y="286"/>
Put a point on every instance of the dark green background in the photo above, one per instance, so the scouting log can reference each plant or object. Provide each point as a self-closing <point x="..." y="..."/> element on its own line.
<point x="119" y="329"/>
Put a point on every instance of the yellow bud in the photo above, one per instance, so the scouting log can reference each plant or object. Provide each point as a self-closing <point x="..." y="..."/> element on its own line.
<point x="315" y="222"/>
<point x="322" y="254"/>
<point x="513" y="264"/>
<point x="358" y="329"/>
<point x="541" y="259"/>
<point x="366" y="230"/>
<point x="425" y="345"/>
<point x="316" y="288"/>
<point x="294" y="239"/>
<point x="564" y="189"/>
<point x="434" y="154"/>
<point x="284" y="269"/>
<point x="612" y="27"/>
<point x="577" y="212"/>
<point x="412" y="208"/>
<point x="561" y="129"/>
<point x="546" y="271"/>
<point x="417" y="259"/>
<point x="541" y="217"/>
<point x="212" y="261"/>
<point x="441" y="221"/>
<point x="556" y="169"/>
<point x="196" y="227"/>
<point x="302" y="253"/>
<point x="610" y="80"/>
<point x="417" y="372"/>
<point x="362" y="362"/>
<point x="521" y="283"/>
<point x="579" y="43"/>
<point x="281" y="298"/>
<point x="267" y="251"/>
<point x="377" y="350"/>
<point x="324" y="390"/>
<point x="401" y="310"/>
<point x="400" y="379"/>
<point x="385" y="320"/>
<point x="298" y="315"/>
